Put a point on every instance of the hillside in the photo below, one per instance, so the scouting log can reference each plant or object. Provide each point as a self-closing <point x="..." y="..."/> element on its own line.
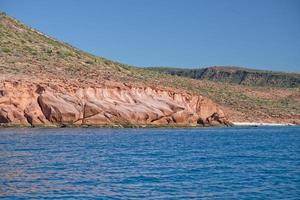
<point x="236" y="75"/>
<point x="45" y="81"/>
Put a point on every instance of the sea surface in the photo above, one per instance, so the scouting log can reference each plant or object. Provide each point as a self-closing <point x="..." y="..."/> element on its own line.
<point x="98" y="163"/>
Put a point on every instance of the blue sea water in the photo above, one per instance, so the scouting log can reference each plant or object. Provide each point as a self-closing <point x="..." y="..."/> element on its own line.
<point x="95" y="163"/>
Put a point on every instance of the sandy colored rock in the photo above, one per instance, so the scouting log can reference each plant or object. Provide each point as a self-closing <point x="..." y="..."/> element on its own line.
<point x="12" y="115"/>
<point x="110" y="103"/>
<point x="59" y="110"/>
<point x="34" y="115"/>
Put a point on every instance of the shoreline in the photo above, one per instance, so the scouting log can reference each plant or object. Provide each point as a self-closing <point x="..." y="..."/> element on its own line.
<point x="234" y="124"/>
<point x="261" y="124"/>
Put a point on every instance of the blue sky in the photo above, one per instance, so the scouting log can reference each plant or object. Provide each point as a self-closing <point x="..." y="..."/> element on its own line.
<point x="263" y="34"/>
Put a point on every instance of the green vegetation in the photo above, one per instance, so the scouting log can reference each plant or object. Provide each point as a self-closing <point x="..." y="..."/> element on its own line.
<point x="236" y="75"/>
<point x="27" y="52"/>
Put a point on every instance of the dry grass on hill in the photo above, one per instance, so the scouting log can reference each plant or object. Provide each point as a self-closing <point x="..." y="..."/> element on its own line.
<point x="26" y="54"/>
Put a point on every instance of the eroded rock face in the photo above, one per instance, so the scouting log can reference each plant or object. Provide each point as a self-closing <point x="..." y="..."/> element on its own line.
<point x="30" y="104"/>
<point x="59" y="108"/>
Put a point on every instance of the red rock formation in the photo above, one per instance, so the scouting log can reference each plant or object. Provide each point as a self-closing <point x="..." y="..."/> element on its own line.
<point x="32" y="104"/>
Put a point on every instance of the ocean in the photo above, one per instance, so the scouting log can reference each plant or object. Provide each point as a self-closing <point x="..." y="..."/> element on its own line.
<point x="150" y="163"/>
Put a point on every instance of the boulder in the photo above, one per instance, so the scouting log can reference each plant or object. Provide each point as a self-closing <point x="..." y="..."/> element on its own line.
<point x="59" y="110"/>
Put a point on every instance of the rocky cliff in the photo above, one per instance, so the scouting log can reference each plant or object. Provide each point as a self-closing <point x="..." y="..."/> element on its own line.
<point x="108" y="104"/>
<point x="237" y="75"/>
<point x="47" y="82"/>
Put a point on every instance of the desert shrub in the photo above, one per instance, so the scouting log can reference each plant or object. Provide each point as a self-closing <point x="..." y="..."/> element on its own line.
<point x="90" y="62"/>
<point x="30" y="50"/>
<point x="48" y="50"/>
<point x="63" y="53"/>
<point x="5" y="50"/>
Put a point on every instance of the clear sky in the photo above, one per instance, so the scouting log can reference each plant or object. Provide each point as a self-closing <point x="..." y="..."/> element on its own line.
<point x="261" y="34"/>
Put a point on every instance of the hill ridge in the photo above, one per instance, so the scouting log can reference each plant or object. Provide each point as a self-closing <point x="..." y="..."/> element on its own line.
<point x="35" y="61"/>
<point x="236" y="75"/>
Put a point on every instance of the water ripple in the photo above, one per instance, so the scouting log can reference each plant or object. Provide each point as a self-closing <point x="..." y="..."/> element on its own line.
<point x="230" y="163"/>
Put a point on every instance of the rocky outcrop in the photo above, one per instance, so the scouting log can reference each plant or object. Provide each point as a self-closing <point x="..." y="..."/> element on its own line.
<point x="108" y="104"/>
<point x="236" y="75"/>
